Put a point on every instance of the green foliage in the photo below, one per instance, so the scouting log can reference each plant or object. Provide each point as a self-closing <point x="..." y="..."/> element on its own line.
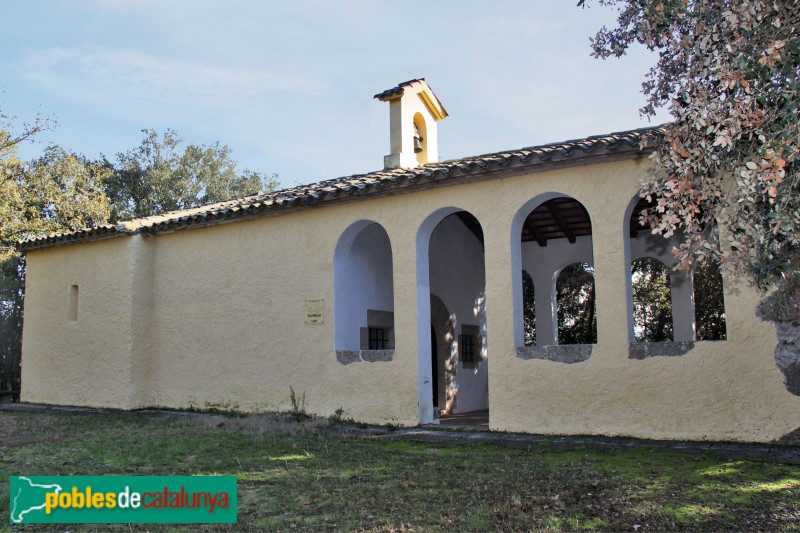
<point x="338" y="416"/>
<point x="577" y="320"/>
<point x="60" y="191"/>
<point x="11" y="292"/>
<point x="298" y="410"/>
<point x="709" y="302"/>
<point x="781" y="306"/>
<point x="11" y="137"/>
<point x="162" y="174"/>
<point x="528" y="309"/>
<point x="729" y="72"/>
<point x="652" y="300"/>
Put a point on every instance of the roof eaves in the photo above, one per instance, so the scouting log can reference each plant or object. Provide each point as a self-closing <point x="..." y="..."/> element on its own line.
<point x="380" y="182"/>
<point x="97" y="233"/>
<point x="397" y="92"/>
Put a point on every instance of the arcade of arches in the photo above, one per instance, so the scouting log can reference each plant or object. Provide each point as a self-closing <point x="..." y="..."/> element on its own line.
<point x="554" y="297"/>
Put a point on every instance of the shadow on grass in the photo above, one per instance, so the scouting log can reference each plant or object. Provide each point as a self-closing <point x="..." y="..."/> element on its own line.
<point x="306" y="476"/>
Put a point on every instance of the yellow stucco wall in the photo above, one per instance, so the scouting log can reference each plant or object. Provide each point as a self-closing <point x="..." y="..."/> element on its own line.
<point x="87" y="361"/>
<point x="230" y="309"/>
<point x="215" y="317"/>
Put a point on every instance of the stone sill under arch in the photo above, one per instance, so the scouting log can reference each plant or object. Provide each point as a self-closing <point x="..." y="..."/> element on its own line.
<point x="560" y="353"/>
<point x="346" y="357"/>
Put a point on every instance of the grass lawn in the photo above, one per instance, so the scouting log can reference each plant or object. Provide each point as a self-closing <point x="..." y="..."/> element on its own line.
<point x="316" y="476"/>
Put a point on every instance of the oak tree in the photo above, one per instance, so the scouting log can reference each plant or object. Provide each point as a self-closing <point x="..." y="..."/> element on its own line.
<point x="728" y="74"/>
<point x="60" y="191"/>
<point x="165" y="174"/>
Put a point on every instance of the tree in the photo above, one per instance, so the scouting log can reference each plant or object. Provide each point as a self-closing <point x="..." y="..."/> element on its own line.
<point x="10" y="139"/>
<point x="162" y="175"/>
<point x="60" y="191"/>
<point x="728" y="72"/>
<point x="528" y="309"/>
<point x="10" y="322"/>
<point x="709" y="302"/>
<point x="577" y="320"/>
<point x="652" y="300"/>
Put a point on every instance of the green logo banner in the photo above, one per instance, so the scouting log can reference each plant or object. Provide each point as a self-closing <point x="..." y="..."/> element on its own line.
<point x="123" y="499"/>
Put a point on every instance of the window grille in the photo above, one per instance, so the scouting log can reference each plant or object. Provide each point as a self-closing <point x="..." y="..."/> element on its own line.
<point x="378" y="338"/>
<point x="468" y="349"/>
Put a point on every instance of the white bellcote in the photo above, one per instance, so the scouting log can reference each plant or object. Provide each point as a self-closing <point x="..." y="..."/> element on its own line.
<point x="413" y="113"/>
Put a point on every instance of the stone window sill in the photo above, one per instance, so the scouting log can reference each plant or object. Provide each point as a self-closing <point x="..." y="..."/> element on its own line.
<point x="645" y="350"/>
<point x="562" y="353"/>
<point x="346" y="357"/>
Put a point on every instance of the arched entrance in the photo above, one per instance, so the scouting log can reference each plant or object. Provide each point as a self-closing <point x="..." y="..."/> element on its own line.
<point x="451" y="308"/>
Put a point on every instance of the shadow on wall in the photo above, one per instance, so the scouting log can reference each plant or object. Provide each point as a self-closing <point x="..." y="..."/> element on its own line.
<point x="782" y="309"/>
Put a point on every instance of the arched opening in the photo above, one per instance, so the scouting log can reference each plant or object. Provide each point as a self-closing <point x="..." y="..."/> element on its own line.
<point x="652" y="300"/>
<point x="549" y="233"/>
<point x="575" y="299"/>
<point x="420" y="139"/>
<point x="363" y="290"/>
<point x="451" y="300"/>
<point x="709" y="301"/>
<point x="641" y="242"/>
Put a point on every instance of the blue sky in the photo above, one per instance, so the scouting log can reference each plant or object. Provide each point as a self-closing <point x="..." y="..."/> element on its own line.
<point x="289" y="85"/>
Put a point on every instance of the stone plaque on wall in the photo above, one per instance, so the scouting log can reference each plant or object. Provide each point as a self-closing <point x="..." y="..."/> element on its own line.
<point x="314" y="311"/>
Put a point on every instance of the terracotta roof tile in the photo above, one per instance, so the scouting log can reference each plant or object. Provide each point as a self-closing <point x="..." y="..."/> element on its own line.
<point x="397" y="91"/>
<point x="633" y="141"/>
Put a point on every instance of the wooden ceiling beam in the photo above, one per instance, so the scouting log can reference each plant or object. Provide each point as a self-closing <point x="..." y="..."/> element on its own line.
<point x="472" y="224"/>
<point x="531" y="228"/>
<point x="563" y="226"/>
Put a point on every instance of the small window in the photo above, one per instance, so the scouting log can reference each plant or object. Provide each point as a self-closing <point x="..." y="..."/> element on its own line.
<point x="468" y="349"/>
<point x="379" y="331"/>
<point x="73" y="303"/>
<point x="378" y="338"/>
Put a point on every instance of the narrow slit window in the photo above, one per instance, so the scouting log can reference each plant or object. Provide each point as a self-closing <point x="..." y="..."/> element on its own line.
<point x="73" y="303"/>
